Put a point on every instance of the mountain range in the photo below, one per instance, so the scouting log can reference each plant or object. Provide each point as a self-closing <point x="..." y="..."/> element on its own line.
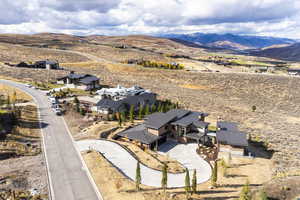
<point x="230" y="41"/>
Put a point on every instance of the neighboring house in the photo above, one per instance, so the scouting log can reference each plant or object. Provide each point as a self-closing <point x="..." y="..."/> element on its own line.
<point x="120" y="92"/>
<point x="230" y="139"/>
<point x="294" y="72"/>
<point x="107" y="105"/>
<point x="182" y="125"/>
<point x="46" y="64"/>
<point x="80" y="81"/>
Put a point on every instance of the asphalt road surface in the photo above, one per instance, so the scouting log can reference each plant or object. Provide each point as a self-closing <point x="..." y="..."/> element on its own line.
<point x="69" y="178"/>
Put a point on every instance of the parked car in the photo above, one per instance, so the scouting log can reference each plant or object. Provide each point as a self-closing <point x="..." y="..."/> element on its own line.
<point x="53" y="100"/>
<point x="57" y="111"/>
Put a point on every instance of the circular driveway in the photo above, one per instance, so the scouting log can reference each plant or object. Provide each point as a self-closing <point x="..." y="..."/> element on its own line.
<point x="126" y="163"/>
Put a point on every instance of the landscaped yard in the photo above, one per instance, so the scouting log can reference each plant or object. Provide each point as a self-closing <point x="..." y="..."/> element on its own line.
<point x="114" y="185"/>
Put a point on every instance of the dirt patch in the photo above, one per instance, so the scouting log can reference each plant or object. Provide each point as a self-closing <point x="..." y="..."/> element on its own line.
<point x="194" y="87"/>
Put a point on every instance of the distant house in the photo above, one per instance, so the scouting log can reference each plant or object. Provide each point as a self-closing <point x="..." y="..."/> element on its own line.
<point x="108" y="105"/>
<point x="120" y="92"/>
<point x="182" y="125"/>
<point x="294" y="72"/>
<point x="230" y="139"/>
<point x="80" y="81"/>
<point x="46" y="64"/>
<point x="22" y="64"/>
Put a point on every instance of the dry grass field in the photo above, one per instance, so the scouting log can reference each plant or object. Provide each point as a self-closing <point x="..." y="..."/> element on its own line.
<point x="20" y="96"/>
<point x="26" y="169"/>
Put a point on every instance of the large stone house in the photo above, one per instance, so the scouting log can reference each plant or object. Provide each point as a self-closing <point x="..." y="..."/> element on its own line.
<point x="79" y="81"/>
<point x="182" y="125"/>
<point x="109" y="106"/>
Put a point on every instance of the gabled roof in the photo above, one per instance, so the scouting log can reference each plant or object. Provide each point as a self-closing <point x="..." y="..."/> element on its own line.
<point x="188" y="119"/>
<point x="139" y="133"/>
<point x="232" y="138"/>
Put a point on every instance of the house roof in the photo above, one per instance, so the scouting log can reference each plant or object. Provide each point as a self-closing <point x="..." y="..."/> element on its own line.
<point x="48" y="62"/>
<point x="178" y="113"/>
<point x="130" y="100"/>
<point x="108" y="103"/>
<point x="293" y="70"/>
<point x="157" y="120"/>
<point x="188" y="119"/>
<point x="195" y="136"/>
<point x="200" y="124"/>
<point x="139" y="133"/>
<point x="232" y="138"/>
<point x="230" y="126"/>
<point x="183" y="117"/>
<point x="88" y="79"/>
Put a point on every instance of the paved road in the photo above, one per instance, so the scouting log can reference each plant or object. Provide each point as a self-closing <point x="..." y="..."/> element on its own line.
<point x="68" y="176"/>
<point x="126" y="163"/>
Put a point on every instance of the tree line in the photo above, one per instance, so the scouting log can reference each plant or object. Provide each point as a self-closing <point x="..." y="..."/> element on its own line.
<point x="153" y="64"/>
<point x="143" y="110"/>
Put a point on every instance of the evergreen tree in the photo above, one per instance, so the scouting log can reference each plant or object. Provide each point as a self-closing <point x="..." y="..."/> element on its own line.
<point x="138" y="178"/>
<point x="141" y="111"/>
<point x="224" y="167"/>
<point x="118" y="116"/>
<point x="187" y="183"/>
<point x="131" y="113"/>
<point x="229" y="159"/>
<point x="164" y="179"/>
<point x="153" y="108"/>
<point x="194" y="182"/>
<point x="77" y="104"/>
<point x="147" y="110"/>
<point x="8" y="101"/>
<point x="123" y="116"/>
<point x="14" y="99"/>
<point x="82" y="111"/>
<point x="245" y="193"/>
<point x="159" y="107"/>
<point x="214" y="176"/>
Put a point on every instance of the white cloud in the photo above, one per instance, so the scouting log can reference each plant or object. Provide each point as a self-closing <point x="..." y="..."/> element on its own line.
<point x="263" y="17"/>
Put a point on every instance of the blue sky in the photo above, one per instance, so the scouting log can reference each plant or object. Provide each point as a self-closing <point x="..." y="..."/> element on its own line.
<point x="279" y="18"/>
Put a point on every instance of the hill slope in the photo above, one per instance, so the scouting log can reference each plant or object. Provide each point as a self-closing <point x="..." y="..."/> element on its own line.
<point x="290" y="52"/>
